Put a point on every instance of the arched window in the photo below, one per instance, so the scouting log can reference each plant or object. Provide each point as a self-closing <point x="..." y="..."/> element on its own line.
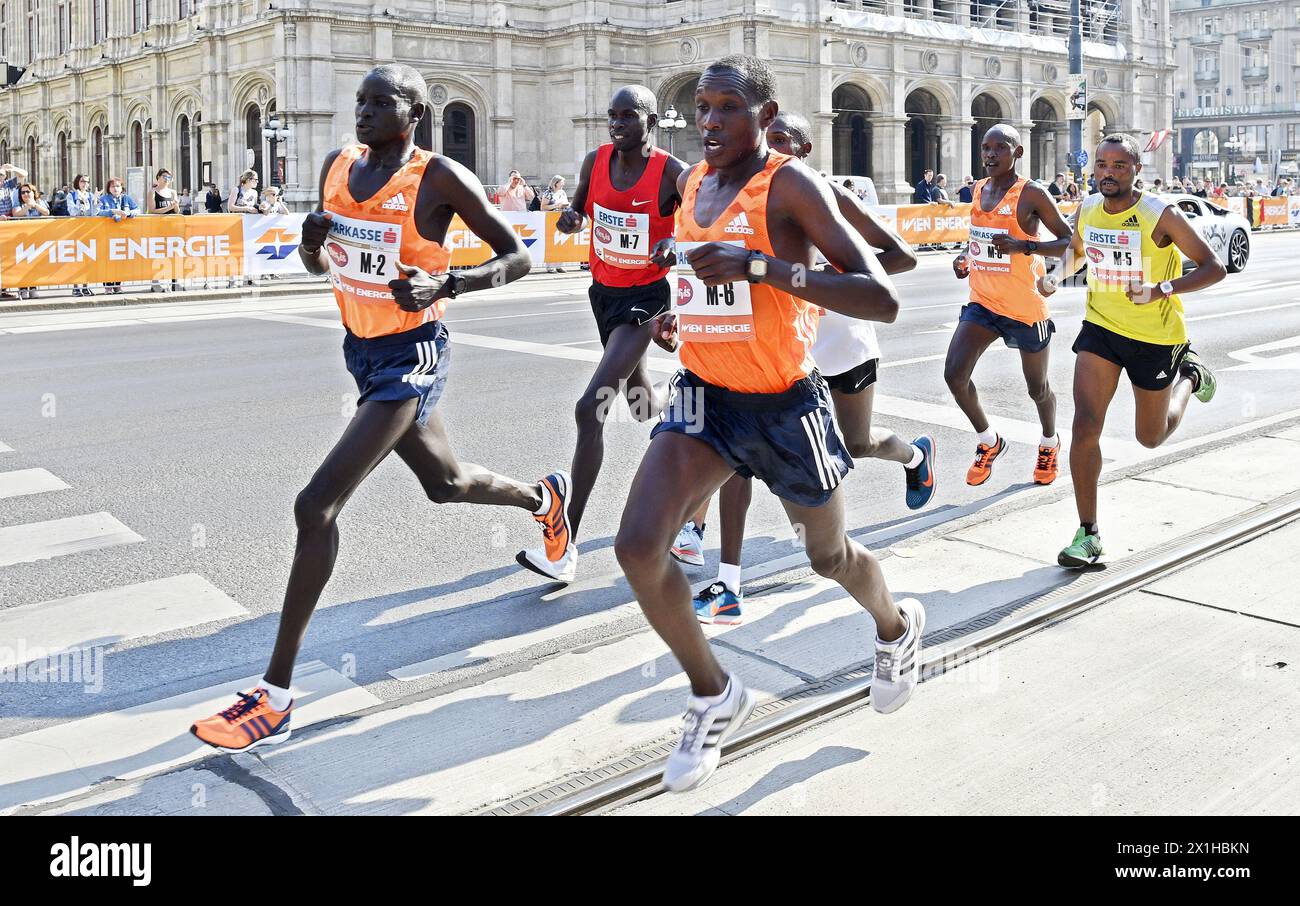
<point x="198" y="145"/>
<point x="33" y="165"/>
<point x="4" y="149"/>
<point x="64" y="169"/>
<point x="987" y="113"/>
<point x="148" y="137"/>
<point x="137" y="144"/>
<point x="458" y="135"/>
<point x="1206" y="143"/>
<point x="97" y="151"/>
<point x="851" y="132"/>
<point x="253" y="122"/>
<point x="424" y="132"/>
<point x="183" y="137"/>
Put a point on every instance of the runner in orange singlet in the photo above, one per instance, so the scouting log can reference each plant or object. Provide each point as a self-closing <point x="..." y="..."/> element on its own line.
<point x="378" y="233"/>
<point x="1006" y="211"/>
<point x="749" y="399"/>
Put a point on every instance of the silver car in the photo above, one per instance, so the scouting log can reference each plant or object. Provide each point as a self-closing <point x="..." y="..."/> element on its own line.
<point x="1225" y="232"/>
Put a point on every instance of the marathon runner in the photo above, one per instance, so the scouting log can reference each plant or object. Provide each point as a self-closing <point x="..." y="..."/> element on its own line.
<point x="1003" y="265"/>
<point x="379" y="233"/>
<point x="749" y="399"/>
<point x="628" y="188"/>
<point x="1133" y="244"/>
<point x="846" y="348"/>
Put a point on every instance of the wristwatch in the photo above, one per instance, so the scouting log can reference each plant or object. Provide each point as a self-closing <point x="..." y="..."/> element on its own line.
<point x="1167" y="288"/>
<point x="1030" y="246"/>
<point x="456" y="284"/>
<point x="756" y="267"/>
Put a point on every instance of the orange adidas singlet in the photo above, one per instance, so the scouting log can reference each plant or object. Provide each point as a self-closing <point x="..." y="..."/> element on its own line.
<point x="773" y="331"/>
<point x="367" y="238"/>
<point x="1004" y="284"/>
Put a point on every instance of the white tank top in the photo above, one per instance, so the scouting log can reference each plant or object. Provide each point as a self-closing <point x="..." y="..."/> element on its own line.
<point x="843" y="343"/>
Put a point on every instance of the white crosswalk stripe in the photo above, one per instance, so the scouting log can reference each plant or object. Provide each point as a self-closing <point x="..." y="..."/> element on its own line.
<point x="60" y="537"/>
<point x="29" y="481"/>
<point x="110" y="616"/>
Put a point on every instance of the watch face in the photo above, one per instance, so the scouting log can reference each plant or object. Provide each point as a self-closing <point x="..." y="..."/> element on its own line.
<point x="758" y="267"/>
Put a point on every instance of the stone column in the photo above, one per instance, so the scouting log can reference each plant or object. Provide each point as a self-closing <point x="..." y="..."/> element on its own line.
<point x="889" y="159"/>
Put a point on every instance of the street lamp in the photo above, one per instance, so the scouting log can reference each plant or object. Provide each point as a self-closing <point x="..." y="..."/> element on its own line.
<point x="1232" y="146"/>
<point x="670" y="122"/>
<point x="275" y="132"/>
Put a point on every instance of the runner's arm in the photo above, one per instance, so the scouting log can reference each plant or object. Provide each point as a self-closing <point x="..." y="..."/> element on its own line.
<point x="315" y="226"/>
<point x="896" y="256"/>
<point x="463" y="193"/>
<point x="1209" y="269"/>
<point x="571" y="217"/>
<point x="1068" y="248"/>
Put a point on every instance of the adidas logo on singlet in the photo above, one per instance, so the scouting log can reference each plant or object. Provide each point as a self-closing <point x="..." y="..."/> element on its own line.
<point x="1131" y="222"/>
<point x="396" y="203"/>
<point x="1005" y="210"/>
<point x="739" y="224"/>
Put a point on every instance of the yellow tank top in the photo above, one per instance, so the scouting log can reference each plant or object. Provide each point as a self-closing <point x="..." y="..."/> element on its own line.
<point x="1120" y="251"/>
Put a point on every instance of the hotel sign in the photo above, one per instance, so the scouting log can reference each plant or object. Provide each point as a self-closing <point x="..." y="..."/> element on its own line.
<point x="1197" y="113"/>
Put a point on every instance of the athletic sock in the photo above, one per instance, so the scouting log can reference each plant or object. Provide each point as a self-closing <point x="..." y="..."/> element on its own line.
<point x="918" y="455"/>
<point x="699" y="530"/>
<point x="1091" y="528"/>
<point x="989" y="438"/>
<point x="546" y="502"/>
<point x="729" y="575"/>
<point x="711" y="700"/>
<point x="279" y="698"/>
<point x="1053" y="441"/>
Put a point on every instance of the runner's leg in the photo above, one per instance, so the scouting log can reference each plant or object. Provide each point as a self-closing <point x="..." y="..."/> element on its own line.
<point x="733" y="507"/>
<point x="1034" y="365"/>
<point x="968" y="343"/>
<point x="426" y="449"/>
<point x="1159" y="412"/>
<point x="676" y="475"/>
<point x="1095" y="380"/>
<point x="853" y="412"/>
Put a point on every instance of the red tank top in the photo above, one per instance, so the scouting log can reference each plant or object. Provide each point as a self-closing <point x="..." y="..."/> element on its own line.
<point x="367" y="238"/>
<point x="626" y="225"/>
<point x="773" y="330"/>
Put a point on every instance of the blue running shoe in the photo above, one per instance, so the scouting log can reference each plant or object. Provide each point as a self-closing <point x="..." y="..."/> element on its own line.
<point x="718" y="604"/>
<point x="921" y="480"/>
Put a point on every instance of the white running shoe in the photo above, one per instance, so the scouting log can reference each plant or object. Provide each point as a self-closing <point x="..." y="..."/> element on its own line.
<point x="898" y="663"/>
<point x="562" y="570"/>
<point x="704" y="731"/>
<point x="689" y="546"/>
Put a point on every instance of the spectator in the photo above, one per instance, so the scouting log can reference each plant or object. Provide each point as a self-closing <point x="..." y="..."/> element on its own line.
<point x="115" y="203"/>
<point x="10" y="176"/>
<point x="1280" y="188"/>
<point x="516" y="195"/>
<point x="212" y="202"/>
<point x="29" y="205"/>
<point x="1057" y="186"/>
<point x="1138" y="184"/>
<point x="243" y="200"/>
<point x="81" y="203"/>
<point x="555" y="199"/>
<point x="966" y="193"/>
<point x="1221" y="190"/>
<point x="1158" y="186"/>
<point x="59" y="203"/>
<point x="1092" y="185"/>
<point x="271" y="203"/>
<point x="939" y="194"/>
<point x="1072" y="192"/>
<point x="187" y="202"/>
<point x="162" y="200"/>
<point x="924" y="193"/>
<point x="1201" y="189"/>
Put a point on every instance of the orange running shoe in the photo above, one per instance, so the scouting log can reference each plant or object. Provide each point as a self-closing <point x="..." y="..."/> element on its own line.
<point x="982" y="467"/>
<point x="1045" y="470"/>
<point x="247" y="723"/>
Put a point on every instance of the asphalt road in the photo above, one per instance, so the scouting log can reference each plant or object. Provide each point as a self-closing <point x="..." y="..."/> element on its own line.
<point x="195" y="425"/>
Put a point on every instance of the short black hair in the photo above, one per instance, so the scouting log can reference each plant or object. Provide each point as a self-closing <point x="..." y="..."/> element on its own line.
<point x="643" y="98"/>
<point x="758" y="76"/>
<point x="406" y="79"/>
<point x="799" y="128"/>
<point x="1129" y="142"/>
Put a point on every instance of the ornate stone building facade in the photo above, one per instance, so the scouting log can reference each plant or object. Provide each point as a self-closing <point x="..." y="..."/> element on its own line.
<point x="892" y="86"/>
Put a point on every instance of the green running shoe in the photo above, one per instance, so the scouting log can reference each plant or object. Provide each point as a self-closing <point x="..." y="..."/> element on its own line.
<point x="1084" y="550"/>
<point x="1205" y="380"/>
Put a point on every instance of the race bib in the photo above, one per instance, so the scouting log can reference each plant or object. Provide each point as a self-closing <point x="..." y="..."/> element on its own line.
<point x="1114" y="256"/>
<point x="620" y="240"/>
<point x="711" y="314"/>
<point x="981" y="251"/>
<point x="363" y="256"/>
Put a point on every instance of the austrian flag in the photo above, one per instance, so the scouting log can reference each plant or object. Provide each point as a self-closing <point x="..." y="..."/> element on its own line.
<point x="1157" y="139"/>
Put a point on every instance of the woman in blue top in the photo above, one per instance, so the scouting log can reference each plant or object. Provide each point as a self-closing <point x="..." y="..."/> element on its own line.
<point x="117" y="204"/>
<point x="81" y="203"/>
<point x="29" y="205"/>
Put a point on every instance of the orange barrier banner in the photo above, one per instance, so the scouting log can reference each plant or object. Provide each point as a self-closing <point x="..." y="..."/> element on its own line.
<point x="63" y="250"/>
<point x="928" y="224"/>
<point x="1293" y="210"/>
<point x="1273" y="211"/>
<point x="468" y="250"/>
<point x="565" y="248"/>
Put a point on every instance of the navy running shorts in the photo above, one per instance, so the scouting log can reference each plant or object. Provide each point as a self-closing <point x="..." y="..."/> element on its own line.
<point x="1016" y="334"/>
<point x="401" y="366"/>
<point x="788" y="440"/>
<point x="615" y="306"/>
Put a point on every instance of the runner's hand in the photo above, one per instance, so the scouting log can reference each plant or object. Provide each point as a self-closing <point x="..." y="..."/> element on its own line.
<point x="664" y="254"/>
<point x="961" y="266"/>
<point x="1006" y="245"/>
<point x="665" y="331"/>
<point x="570" y="221"/>
<point x="1141" y="294"/>
<point x="1048" y="284"/>
<point x="718" y="263"/>
<point x="416" y="290"/>
<point x="315" y="227"/>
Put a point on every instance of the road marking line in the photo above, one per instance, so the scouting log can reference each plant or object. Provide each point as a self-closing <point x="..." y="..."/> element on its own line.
<point x="71" y="757"/>
<point x="1244" y="311"/>
<point x="5" y="448"/>
<point x="112" y="615"/>
<point x="60" y="537"/>
<point x="29" y="481"/>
